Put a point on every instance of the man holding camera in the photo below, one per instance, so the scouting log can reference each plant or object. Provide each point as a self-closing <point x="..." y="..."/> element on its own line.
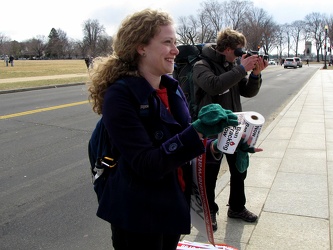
<point x="218" y="79"/>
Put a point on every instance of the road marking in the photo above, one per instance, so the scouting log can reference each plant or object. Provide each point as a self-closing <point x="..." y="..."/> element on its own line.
<point x="29" y="112"/>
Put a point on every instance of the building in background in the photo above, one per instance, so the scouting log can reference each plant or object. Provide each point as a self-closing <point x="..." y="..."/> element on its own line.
<point x="308" y="50"/>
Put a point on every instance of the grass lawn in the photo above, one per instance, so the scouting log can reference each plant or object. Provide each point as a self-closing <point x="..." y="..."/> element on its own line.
<point x="28" y="68"/>
<point x="34" y="68"/>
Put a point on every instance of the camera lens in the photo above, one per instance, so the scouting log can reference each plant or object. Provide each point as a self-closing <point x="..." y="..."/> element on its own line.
<point x="239" y="52"/>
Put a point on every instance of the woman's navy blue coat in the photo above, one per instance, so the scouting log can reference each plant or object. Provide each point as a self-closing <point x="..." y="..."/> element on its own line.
<point x="143" y="194"/>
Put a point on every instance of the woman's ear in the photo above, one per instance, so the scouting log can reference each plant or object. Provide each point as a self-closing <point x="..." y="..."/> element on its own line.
<point x="141" y="50"/>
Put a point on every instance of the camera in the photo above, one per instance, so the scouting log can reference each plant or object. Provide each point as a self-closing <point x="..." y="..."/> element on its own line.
<point x="240" y="52"/>
<point x="253" y="52"/>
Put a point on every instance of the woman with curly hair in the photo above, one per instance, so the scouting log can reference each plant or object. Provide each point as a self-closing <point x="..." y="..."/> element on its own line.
<point x="147" y="198"/>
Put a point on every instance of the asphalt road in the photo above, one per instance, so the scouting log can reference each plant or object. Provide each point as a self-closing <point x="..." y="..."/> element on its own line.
<point x="47" y="200"/>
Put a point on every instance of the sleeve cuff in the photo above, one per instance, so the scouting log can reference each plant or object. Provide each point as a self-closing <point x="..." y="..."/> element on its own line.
<point x="254" y="76"/>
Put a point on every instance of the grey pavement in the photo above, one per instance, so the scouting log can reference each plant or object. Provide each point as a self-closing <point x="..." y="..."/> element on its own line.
<point x="289" y="185"/>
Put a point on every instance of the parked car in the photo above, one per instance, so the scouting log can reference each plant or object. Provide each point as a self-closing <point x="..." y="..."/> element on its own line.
<point x="290" y="62"/>
<point x="299" y="62"/>
<point x="271" y="62"/>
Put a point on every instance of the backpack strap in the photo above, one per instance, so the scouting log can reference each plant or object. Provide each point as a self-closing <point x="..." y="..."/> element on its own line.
<point x="99" y="149"/>
<point x="200" y="93"/>
<point x="104" y="157"/>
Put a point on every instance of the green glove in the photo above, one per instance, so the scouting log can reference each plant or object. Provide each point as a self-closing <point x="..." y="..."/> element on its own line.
<point x="212" y="119"/>
<point x="242" y="158"/>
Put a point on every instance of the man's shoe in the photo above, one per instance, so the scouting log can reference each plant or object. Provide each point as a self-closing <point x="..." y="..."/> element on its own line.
<point x="214" y="222"/>
<point x="245" y="215"/>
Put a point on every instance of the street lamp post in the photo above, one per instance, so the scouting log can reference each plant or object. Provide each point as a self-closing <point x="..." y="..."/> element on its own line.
<point x="326" y="28"/>
<point x="277" y="55"/>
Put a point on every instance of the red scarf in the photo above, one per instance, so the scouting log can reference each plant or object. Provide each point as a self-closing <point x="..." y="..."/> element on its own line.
<point x="163" y="95"/>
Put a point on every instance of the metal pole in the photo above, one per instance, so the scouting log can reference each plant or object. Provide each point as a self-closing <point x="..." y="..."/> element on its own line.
<point x="326" y="28"/>
<point x="277" y="55"/>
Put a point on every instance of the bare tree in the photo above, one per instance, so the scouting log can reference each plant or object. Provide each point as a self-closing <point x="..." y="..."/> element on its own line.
<point x="70" y="48"/>
<point x="282" y="39"/>
<point x="63" y="43"/>
<point x="280" y="43"/>
<point x="191" y="30"/>
<point x="212" y="11"/>
<point x="78" y="49"/>
<point x="4" y="44"/>
<point x="270" y="35"/>
<point x="186" y="30"/>
<point x="207" y="33"/>
<point x="235" y="11"/>
<point x="104" y="45"/>
<point x="35" y="47"/>
<point x="288" y="39"/>
<point x="315" y="28"/>
<point x="295" y="31"/>
<point x="15" y="48"/>
<point x="92" y="31"/>
<point x="256" y="22"/>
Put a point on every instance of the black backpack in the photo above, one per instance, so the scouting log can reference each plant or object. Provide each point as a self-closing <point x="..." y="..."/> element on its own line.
<point x="102" y="158"/>
<point x="183" y="72"/>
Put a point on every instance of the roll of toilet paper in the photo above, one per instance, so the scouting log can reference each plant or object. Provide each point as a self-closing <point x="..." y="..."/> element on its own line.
<point x="229" y="138"/>
<point x="250" y="124"/>
<point x="253" y="123"/>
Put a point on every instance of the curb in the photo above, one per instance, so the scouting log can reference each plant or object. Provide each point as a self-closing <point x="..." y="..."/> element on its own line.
<point x="40" y="87"/>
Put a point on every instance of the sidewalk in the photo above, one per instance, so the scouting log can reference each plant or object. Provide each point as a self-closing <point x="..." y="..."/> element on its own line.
<point x="289" y="184"/>
<point x="36" y="78"/>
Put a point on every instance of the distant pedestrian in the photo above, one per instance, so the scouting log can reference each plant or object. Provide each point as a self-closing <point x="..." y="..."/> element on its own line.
<point x="11" y="61"/>
<point x="87" y="61"/>
<point x="307" y="62"/>
<point x="6" y="60"/>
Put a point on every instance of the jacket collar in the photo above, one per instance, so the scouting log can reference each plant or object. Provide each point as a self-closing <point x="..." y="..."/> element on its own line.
<point x="209" y="52"/>
<point x="141" y="89"/>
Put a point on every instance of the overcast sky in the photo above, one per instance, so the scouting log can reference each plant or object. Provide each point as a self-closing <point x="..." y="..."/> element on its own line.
<point x="24" y="19"/>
